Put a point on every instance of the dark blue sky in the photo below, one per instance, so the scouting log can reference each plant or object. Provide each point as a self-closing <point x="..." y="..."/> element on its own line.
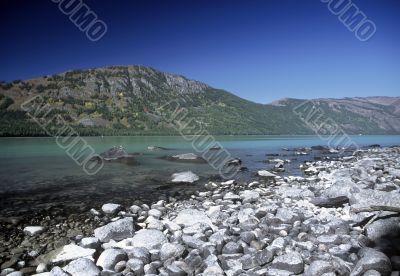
<point x="260" y="50"/>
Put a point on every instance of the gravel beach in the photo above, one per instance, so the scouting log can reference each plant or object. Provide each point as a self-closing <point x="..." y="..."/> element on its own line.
<point x="340" y="218"/>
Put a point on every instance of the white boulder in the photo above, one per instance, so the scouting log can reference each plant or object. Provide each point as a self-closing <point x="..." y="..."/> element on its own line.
<point x="184" y="177"/>
<point x="33" y="230"/>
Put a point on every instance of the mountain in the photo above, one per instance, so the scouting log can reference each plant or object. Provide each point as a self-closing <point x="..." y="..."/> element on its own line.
<point x="138" y="100"/>
<point x="368" y="115"/>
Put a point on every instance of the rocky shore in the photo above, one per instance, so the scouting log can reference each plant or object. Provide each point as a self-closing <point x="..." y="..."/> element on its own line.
<point x="341" y="218"/>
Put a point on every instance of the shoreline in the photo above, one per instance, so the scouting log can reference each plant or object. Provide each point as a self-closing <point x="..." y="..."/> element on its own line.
<point x="269" y="226"/>
<point x="217" y="135"/>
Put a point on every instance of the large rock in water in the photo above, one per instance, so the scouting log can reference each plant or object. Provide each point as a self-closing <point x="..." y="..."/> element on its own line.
<point x="184" y="177"/>
<point x="118" y="153"/>
<point x="114" y="153"/>
<point x="156" y="148"/>
<point x="117" y="230"/>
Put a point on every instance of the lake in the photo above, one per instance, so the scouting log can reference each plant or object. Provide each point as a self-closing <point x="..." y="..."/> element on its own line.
<point x="35" y="172"/>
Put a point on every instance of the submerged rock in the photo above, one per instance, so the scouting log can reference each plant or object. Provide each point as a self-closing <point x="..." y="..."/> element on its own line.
<point x="234" y="162"/>
<point x="185" y="158"/>
<point x="156" y="148"/>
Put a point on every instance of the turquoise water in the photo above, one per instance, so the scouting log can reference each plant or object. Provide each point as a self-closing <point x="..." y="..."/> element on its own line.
<point x="41" y="147"/>
<point x="36" y="169"/>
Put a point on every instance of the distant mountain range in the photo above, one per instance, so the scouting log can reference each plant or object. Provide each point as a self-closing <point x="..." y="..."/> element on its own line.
<point x="133" y="100"/>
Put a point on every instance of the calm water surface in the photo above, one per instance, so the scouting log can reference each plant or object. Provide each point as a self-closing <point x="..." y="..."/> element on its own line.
<point x="36" y="171"/>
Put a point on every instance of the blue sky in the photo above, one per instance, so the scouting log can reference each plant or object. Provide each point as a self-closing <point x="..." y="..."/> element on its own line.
<point x="261" y="50"/>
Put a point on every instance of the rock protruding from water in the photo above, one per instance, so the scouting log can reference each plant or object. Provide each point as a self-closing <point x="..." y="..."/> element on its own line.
<point x="156" y="148"/>
<point x="185" y="158"/>
<point x="184" y="177"/>
<point x="114" y="153"/>
<point x="118" y="153"/>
